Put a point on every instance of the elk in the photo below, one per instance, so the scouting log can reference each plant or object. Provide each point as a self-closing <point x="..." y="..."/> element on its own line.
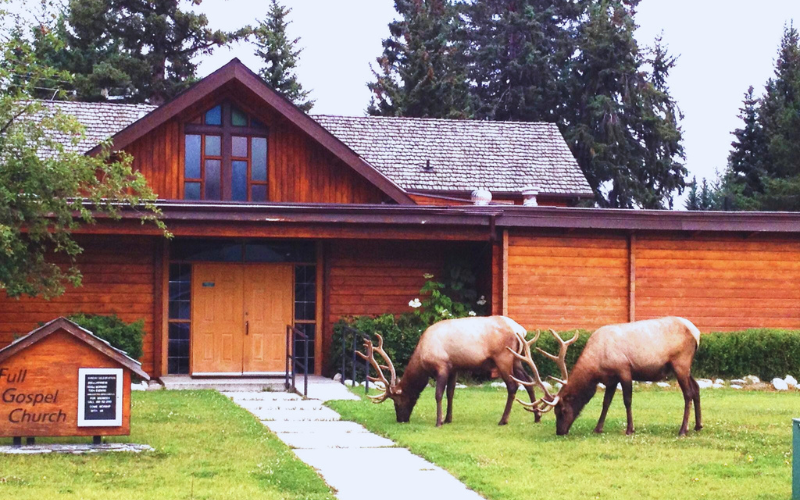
<point x="619" y="354"/>
<point x="446" y="348"/>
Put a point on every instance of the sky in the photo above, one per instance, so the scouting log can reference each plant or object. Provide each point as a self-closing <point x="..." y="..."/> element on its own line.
<point x="724" y="46"/>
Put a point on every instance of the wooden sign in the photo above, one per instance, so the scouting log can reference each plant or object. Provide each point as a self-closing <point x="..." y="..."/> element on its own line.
<point x="60" y="380"/>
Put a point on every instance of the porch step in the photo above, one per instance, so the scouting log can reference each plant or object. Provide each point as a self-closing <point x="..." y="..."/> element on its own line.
<point x="222" y="384"/>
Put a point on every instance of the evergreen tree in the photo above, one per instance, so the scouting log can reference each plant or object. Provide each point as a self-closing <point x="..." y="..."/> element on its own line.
<point x="763" y="170"/>
<point x="692" y="198"/>
<point x="780" y="116"/>
<point x="420" y="72"/>
<point x="517" y="54"/>
<point x="621" y="122"/>
<point x="748" y="153"/>
<point x="133" y="50"/>
<point x="280" y="55"/>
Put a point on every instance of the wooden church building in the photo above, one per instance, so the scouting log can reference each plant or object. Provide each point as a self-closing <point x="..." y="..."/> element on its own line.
<point x="283" y="218"/>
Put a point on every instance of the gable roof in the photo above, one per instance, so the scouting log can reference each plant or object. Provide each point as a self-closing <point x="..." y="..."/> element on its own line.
<point x="76" y="331"/>
<point x="390" y="152"/>
<point x="236" y="71"/>
<point x="463" y="154"/>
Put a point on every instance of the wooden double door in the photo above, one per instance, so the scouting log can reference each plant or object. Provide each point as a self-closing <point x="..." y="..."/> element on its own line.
<point x="239" y="318"/>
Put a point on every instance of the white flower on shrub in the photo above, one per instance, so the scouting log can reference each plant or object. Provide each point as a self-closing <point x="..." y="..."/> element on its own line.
<point x="472" y="313"/>
<point x="415" y="303"/>
<point x="427" y="276"/>
<point x="481" y="301"/>
<point x="445" y="312"/>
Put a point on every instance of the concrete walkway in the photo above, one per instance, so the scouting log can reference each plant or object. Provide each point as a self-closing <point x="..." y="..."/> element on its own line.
<point x="358" y="464"/>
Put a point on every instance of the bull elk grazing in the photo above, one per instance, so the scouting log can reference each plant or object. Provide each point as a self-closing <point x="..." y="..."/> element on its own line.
<point x="446" y="348"/>
<point x="619" y="354"/>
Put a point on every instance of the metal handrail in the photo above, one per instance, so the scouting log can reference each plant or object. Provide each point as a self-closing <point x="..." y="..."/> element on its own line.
<point x="356" y="335"/>
<point x="292" y="333"/>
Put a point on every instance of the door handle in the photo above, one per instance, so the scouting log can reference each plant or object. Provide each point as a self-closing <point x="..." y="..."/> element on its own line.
<point x="247" y="327"/>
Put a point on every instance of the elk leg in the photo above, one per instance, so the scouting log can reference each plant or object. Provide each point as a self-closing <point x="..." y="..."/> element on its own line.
<point x="451" y="389"/>
<point x="521" y="374"/>
<point x="627" y="396"/>
<point x="441" y="382"/>
<point x="512" y="387"/>
<point x="698" y="417"/>
<point x="688" y="394"/>
<point x="611" y="388"/>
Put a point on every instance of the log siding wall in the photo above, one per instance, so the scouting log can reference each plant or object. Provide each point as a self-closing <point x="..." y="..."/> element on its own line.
<point x="298" y="169"/>
<point x="118" y="278"/>
<point x="719" y="282"/>
<point x="565" y="282"/>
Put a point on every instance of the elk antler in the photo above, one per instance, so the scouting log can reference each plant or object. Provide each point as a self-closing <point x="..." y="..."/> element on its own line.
<point x="370" y="356"/>
<point x="560" y="360"/>
<point x="548" y="399"/>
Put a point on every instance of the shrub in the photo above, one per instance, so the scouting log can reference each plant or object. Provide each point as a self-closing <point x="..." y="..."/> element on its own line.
<point x="400" y="335"/>
<point x="127" y="337"/>
<point x="767" y="353"/>
<point x="548" y="343"/>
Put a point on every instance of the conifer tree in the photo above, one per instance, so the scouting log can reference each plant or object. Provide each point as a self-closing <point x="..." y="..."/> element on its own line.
<point x="280" y="55"/>
<point x="518" y="51"/>
<point x="420" y="72"/>
<point x="748" y="153"/>
<point x="133" y="50"/>
<point x="620" y="120"/>
<point x="692" y="198"/>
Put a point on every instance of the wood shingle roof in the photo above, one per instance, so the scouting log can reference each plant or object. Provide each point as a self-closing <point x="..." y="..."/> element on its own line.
<point x="463" y="154"/>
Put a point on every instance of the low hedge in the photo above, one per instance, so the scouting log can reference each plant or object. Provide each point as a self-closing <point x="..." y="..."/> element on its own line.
<point x="124" y="336"/>
<point x="764" y="352"/>
<point x="767" y="353"/>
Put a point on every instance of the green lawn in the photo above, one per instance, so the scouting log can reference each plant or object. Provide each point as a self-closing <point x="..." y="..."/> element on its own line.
<point x="743" y="452"/>
<point x="206" y="448"/>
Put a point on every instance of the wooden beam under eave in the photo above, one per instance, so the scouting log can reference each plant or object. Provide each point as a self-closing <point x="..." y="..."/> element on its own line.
<point x="504" y="282"/>
<point x="270" y="229"/>
<point x="158" y="311"/>
<point x="320" y="312"/>
<point x="632" y="277"/>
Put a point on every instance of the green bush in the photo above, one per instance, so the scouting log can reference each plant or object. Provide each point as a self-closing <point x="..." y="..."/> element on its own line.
<point x="767" y="353"/>
<point x="548" y="343"/>
<point x="400" y="335"/>
<point x="127" y="337"/>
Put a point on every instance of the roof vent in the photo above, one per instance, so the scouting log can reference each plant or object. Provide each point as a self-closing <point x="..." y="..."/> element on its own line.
<point x="481" y="196"/>
<point x="529" y="194"/>
<point x="427" y="167"/>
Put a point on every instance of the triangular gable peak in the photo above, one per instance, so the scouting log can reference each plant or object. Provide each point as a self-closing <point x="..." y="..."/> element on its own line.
<point x="63" y="324"/>
<point x="164" y="142"/>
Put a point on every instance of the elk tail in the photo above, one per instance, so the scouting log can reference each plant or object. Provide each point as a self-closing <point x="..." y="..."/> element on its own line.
<point x="518" y="330"/>
<point x="692" y="329"/>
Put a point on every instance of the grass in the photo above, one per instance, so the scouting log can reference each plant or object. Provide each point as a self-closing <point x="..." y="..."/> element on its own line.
<point x="206" y="448"/>
<point x="744" y="451"/>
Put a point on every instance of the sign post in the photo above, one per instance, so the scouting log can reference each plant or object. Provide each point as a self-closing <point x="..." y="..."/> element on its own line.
<point x="796" y="459"/>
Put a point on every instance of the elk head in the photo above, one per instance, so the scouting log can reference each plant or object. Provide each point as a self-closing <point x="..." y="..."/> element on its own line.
<point x="563" y="409"/>
<point x="403" y="405"/>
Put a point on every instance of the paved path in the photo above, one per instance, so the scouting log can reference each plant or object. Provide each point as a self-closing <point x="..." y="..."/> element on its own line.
<point x="358" y="464"/>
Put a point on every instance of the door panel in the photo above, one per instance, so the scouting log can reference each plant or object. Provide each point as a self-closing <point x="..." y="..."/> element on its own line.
<point x="268" y="302"/>
<point x="217" y="318"/>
